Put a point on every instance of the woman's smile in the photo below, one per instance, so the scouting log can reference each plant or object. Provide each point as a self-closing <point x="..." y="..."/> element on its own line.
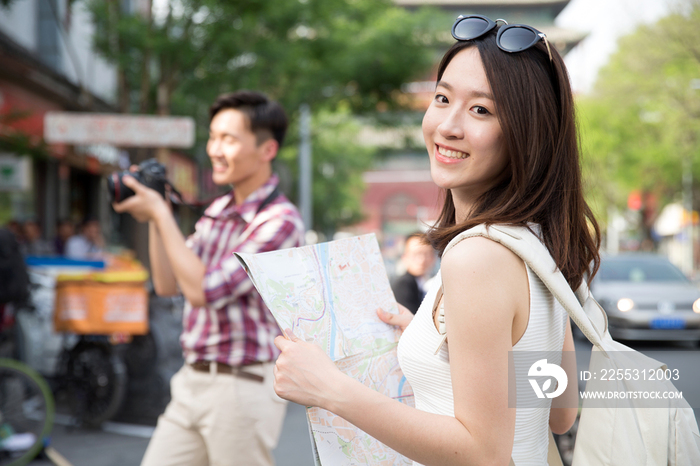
<point x="445" y="155"/>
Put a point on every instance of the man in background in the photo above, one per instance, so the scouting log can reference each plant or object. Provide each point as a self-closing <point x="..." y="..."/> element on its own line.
<point x="224" y="410"/>
<point x="89" y="244"/>
<point x="64" y="231"/>
<point x="15" y="227"/>
<point x="34" y="244"/>
<point x="418" y="258"/>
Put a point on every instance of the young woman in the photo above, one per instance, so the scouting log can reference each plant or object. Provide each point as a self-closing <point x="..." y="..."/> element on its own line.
<point x="501" y="138"/>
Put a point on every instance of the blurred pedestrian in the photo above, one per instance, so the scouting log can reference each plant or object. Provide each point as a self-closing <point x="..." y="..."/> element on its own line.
<point x="34" y="244"/>
<point x="64" y="230"/>
<point x="223" y="410"/>
<point x="88" y="244"/>
<point x="502" y="144"/>
<point x="14" y="281"/>
<point x="15" y="227"/>
<point x="418" y="258"/>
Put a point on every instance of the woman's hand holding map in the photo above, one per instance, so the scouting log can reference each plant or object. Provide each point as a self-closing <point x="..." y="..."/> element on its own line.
<point x="400" y="320"/>
<point x="304" y="373"/>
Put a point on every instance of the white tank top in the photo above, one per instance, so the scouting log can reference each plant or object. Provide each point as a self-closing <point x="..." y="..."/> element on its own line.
<point x="429" y="373"/>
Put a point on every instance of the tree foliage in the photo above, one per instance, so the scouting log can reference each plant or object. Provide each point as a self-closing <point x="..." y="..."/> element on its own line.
<point x="337" y="173"/>
<point x="331" y="54"/>
<point x="642" y="121"/>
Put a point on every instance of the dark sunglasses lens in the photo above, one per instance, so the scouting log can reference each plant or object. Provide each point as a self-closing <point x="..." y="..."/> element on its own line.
<point x="469" y="28"/>
<point x="517" y="39"/>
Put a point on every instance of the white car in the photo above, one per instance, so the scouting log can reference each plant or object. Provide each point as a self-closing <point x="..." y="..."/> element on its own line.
<point x="647" y="298"/>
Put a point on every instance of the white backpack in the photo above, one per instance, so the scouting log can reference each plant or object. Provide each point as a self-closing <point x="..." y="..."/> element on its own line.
<point x="609" y="435"/>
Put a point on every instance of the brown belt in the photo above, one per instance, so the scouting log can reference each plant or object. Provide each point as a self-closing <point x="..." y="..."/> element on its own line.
<point x="221" y="368"/>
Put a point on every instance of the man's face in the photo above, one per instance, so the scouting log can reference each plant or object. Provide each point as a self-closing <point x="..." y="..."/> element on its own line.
<point x="233" y="148"/>
<point x="31" y="231"/>
<point x="418" y="257"/>
<point x="92" y="231"/>
<point x="65" y="230"/>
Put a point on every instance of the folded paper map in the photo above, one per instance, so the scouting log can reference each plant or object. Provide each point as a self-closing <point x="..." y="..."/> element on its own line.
<point x="328" y="294"/>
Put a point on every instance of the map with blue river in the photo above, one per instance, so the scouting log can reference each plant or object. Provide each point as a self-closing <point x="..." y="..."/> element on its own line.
<point x="328" y="294"/>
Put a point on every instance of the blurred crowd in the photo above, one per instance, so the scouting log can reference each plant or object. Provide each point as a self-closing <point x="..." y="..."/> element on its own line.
<point x="81" y="242"/>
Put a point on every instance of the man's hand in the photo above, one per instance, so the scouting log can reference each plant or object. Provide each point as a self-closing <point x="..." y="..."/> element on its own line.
<point x="146" y="203"/>
<point x="174" y="265"/>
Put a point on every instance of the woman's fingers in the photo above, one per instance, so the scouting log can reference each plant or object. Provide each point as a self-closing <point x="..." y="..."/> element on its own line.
<point x="280" y="342"/>
<point x="386" y="317"/>
<point x="303" y="372"/>
<point x="403" y="310"/>
<point x="291" y="335"/>
<point x="401" y="320"/>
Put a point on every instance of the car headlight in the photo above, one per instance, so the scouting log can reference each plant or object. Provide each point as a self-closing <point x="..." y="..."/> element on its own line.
<point x="696" y="306"/>
<point x="626" y="304"/>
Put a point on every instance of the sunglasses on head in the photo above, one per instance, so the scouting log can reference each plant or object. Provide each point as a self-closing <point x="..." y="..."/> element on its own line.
<point x="510" y="38"/>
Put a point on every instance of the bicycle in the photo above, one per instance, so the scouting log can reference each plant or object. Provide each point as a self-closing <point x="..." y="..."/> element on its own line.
<point x="26" y="413"/>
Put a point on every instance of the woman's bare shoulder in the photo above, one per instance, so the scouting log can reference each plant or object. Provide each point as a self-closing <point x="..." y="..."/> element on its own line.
<point x="479" y="254"/>
<point x="486" y="291"/>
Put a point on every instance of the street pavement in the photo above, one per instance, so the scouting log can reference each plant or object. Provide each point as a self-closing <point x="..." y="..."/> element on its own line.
<point x="151" y="363"/>
<point x="123" y="444"/>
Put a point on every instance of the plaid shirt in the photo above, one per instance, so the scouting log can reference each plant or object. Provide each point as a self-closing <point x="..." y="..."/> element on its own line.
<point x="235" y="327"/>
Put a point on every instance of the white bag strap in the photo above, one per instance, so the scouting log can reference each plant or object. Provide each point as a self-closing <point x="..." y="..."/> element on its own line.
<point x="530" y="249"/>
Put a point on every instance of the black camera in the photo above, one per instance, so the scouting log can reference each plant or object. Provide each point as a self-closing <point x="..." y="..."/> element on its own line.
<point x="150" y="173"/>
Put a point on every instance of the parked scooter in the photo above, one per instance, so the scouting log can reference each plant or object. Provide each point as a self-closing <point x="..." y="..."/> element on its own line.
<point x="87" y="369"/>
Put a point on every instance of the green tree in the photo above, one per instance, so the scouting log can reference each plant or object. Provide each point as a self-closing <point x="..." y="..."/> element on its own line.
<point x="338" y="187"/>
<point x="342" y="57"/>
<point x="642" y="122"/>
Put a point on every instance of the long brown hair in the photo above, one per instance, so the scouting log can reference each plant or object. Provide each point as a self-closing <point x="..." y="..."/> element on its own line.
<point x="535" y="109"/>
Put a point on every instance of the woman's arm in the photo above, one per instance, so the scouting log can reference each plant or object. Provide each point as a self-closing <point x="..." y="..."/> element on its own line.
<point x="479" y="312"/>
<point x="565" y="407"/>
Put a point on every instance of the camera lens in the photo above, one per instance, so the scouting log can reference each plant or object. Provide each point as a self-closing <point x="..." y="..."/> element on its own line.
<point x="150" y="173"/>
<point x="116" y="188"/>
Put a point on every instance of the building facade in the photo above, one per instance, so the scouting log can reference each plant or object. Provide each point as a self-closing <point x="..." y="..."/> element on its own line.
<point x="46" y="64"/>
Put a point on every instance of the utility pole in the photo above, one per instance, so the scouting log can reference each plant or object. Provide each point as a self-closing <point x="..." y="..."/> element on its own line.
<point x="612" y="244"/>
<point x="305" y="201"/>
<point x="688" y="206"/>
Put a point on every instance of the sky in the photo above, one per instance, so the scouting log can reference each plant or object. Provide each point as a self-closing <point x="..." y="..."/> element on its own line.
<point x="605" y="21"/>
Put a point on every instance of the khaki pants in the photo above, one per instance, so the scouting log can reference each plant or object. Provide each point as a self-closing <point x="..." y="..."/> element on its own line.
<point x="218" y="419"/>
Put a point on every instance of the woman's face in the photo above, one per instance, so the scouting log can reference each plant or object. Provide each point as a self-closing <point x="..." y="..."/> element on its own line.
<point x="462" y="132"/>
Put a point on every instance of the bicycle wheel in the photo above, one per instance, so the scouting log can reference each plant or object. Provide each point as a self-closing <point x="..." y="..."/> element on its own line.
<point x="26" y="411"/>
<point x="97" y="381"/>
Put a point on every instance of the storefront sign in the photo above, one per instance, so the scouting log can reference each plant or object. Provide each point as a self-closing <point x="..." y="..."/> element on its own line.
<point x="105" y="153"/>
<point x="118" y="130"/>
<point x="15" y="173"/>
